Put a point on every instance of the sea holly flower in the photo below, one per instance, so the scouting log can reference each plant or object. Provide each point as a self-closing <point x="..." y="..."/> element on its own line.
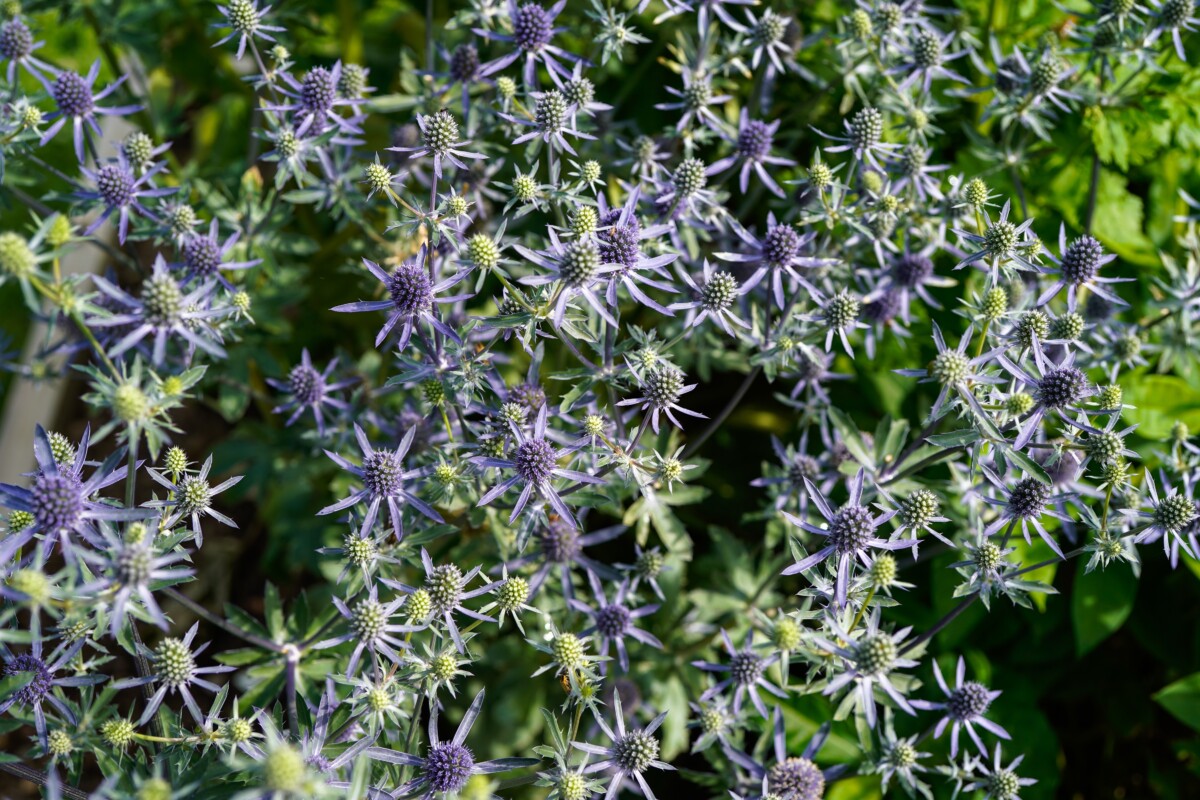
<point x="864" y="138"/>
<point x="870" y="659"/>
<point x="445" y="591"/>
<point x="535" y="465"/>
<point x="372" y="630"/>
<point x="746" y="674"/>
<point x="926" y="59"/>
<point x="662" y="385"/>
<point x="620" y="235"/>
<point x="175" y="672"/>
<point x="204" y="256"/>
<point x="17" y="47"/>
<point x="1000" y="244"/>
<point x="796" y="777"/>
<point x="316" y="101"/>
<point x="696" y="100"/>
<point x="713" y="297"/>
<point x="310" y="389"/>
<point x="1078" y="267"/>
<point x="631" y="752"/>
<point x="1058" y="388"/>
<point x="778" y="253"/>
<point x="384" y="480"/>
<point x="132" y="566"/>
<point x="578" y="265"/>
<point x="614" y="621"/>
<point x="191" y="498"/>
<point x="245" y="19"/>
<point x="413" y="298"/>
<point x="999" y="782"/>
<point x="752" y="150"/>
<point x="850" y="533"/>
<point x="163" y="310"/>
<point x="1174" y="16"/>
<point x="767" y="40"/>
<point x="965" y="706"/>
<point x="42" y="669"/>
<point x="533" y="31"/>
<point x="73" y="94"/>
<point x="956" y="372"/>
<point x="439" y="139"/>
<point x="447" y="765"/>
<point x="61" y="502"/>
<point x="1026" y="502"/>
<point x="1169" y="518"/>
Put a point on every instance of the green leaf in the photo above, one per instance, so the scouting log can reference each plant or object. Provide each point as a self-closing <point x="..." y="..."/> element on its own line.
<point x="852" y="438"/>
<point x="273" y="609"/>
<point x="1100" y="603"/>
<point x="954" y="438"/>
<point x="14" y="683"/>
<point x="1031" y="467"/>
<point x="1182" y="700"/>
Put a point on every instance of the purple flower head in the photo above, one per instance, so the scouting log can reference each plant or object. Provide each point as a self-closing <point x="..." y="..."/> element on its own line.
<point x="620" y="236"/>
<point x="532" y="34"/>
<point x="559" y="545"/>
<point x="413" y="298"/>
<point x="1056" y="388"/>
<point x="17" y="47"/>
<point x="61" y="502"/>
<point x="1079" y="266"/>
<point x="779" y="254"/>
<point x="310" y="389"/>
<point x="964" y="708"/>
<point x="204" y="256"/>
<point x="384" y="480"/>
<point x="613" y="622"/>
<point x="163" y="310"/>
<point x="447" y="766"/>
<point x="43" y="669"/>
<point x="535" y="464"/>
<point x="746" y="674"/>
<point x="752" y="150"/>
<point x="849" y="532"/>
<point x="76" y="102"/>
<point x="1026" y="501"/>
<point x="795" y="777"/>
<point x="121" y="190"/>
<point x="317" y="103"/>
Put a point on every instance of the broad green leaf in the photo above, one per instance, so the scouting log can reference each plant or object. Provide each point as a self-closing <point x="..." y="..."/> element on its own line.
<point x="1182" y="700"/>
<point x="1100" y="603"/>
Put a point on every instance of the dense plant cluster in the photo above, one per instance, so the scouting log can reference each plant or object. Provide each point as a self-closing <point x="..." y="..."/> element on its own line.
<point x="501" y="444"/>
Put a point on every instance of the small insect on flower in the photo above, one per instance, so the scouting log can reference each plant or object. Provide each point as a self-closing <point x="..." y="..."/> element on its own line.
<point x="447" y="765"/>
